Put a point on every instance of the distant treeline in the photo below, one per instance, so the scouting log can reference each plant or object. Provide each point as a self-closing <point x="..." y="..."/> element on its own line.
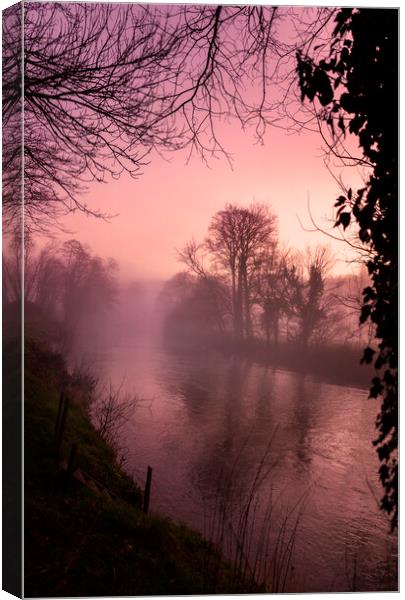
<point x="243" y="284"/>
<point x="67" y="290"/>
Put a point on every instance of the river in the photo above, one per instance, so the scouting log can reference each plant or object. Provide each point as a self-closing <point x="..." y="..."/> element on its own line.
<point x="209" y="425"/>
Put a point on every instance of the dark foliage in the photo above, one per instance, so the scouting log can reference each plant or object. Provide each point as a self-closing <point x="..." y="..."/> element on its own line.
<point x="358" y="87"/>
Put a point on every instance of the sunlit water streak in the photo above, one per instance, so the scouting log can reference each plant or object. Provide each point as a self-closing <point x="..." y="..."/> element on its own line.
<point x="200" y="409"/>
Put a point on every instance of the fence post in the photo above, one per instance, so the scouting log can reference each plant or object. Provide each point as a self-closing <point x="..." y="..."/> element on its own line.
<point x="146" y="495"/>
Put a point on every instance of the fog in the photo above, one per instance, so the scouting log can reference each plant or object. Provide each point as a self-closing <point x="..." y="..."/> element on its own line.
<point x="239" y="287"/>
<point x="244" y="421"/>
<point x="231" y="372"/>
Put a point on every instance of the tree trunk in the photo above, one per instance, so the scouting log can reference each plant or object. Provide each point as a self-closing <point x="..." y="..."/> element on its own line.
<point x="246" y="302"/>
<point x="276" y="328"/>
<point x="239" y="307"/>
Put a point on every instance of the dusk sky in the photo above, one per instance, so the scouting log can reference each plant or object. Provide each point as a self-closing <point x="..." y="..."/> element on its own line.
<point x="173" y="202"/>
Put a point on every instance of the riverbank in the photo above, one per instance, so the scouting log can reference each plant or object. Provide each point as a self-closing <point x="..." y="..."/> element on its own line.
<point x="79" y="542"/>
<point x="337" y="364"/>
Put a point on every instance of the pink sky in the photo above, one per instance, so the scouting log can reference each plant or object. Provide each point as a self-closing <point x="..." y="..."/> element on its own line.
<point x="173" y="202"/>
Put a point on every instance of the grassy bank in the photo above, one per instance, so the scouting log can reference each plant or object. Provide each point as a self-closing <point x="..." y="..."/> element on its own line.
<point x="80" y="543"/>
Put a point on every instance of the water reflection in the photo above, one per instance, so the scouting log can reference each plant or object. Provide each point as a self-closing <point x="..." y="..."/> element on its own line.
<point x="213" y="420"/>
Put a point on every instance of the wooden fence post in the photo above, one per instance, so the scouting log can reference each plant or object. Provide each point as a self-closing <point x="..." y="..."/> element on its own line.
<point x="146" y="495"/>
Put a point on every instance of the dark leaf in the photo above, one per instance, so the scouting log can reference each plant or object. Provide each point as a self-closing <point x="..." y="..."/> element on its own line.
<point x="323" y="86"/>
<point x="344" y="220"/>
<point x="368" y="355"/>
<point x="339" y="201"/>
<point x="365" y="313"/>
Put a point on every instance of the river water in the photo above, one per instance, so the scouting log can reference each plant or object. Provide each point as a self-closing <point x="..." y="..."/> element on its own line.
<point x="207" y="423"/>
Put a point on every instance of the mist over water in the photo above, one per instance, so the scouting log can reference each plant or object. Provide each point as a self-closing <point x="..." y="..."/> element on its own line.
<point x="206" y="420"/>
<point x="251" y="406"/>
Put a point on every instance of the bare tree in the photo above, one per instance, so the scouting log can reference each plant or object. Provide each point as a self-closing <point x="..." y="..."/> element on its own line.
<point x="271" y="289"/>
<point x="175" y="290"/>
<point x="12" y="271"/>
<point x="223" y="243"/>
<point x="105" y="84"/>
<point x="12" y="121"/>
<point x="88" y="286"/>
<point x="237" y="238"/>
<point x="94" y="79"/>
<point x="110" y="408"/>
<point x="192" y="255"/>
<point x="349" y="297"/>
<point x="42" y="270"/>
<point x="307" y="300"/>
<point x="65" y="284"/>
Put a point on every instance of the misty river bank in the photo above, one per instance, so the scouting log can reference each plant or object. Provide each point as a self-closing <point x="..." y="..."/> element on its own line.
<point x="337" y="364"/>
<point x="93" y="538"/>
<point x="210" y="423"/>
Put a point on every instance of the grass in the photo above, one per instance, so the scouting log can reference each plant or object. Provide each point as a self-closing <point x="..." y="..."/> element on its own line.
<point x="78" y="543"/>
<point x="242" y="522"/>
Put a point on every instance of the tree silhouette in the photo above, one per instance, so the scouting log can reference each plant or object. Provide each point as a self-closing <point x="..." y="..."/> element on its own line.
<point x="94" y="83"/>
<point x="312" y="309"/>
<point x="237" y="237"/>
<point x="357" y="88"/>
<point x="107" y="84"/>
<point x="305" y="298"/>
<point x="271" y="288"/>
